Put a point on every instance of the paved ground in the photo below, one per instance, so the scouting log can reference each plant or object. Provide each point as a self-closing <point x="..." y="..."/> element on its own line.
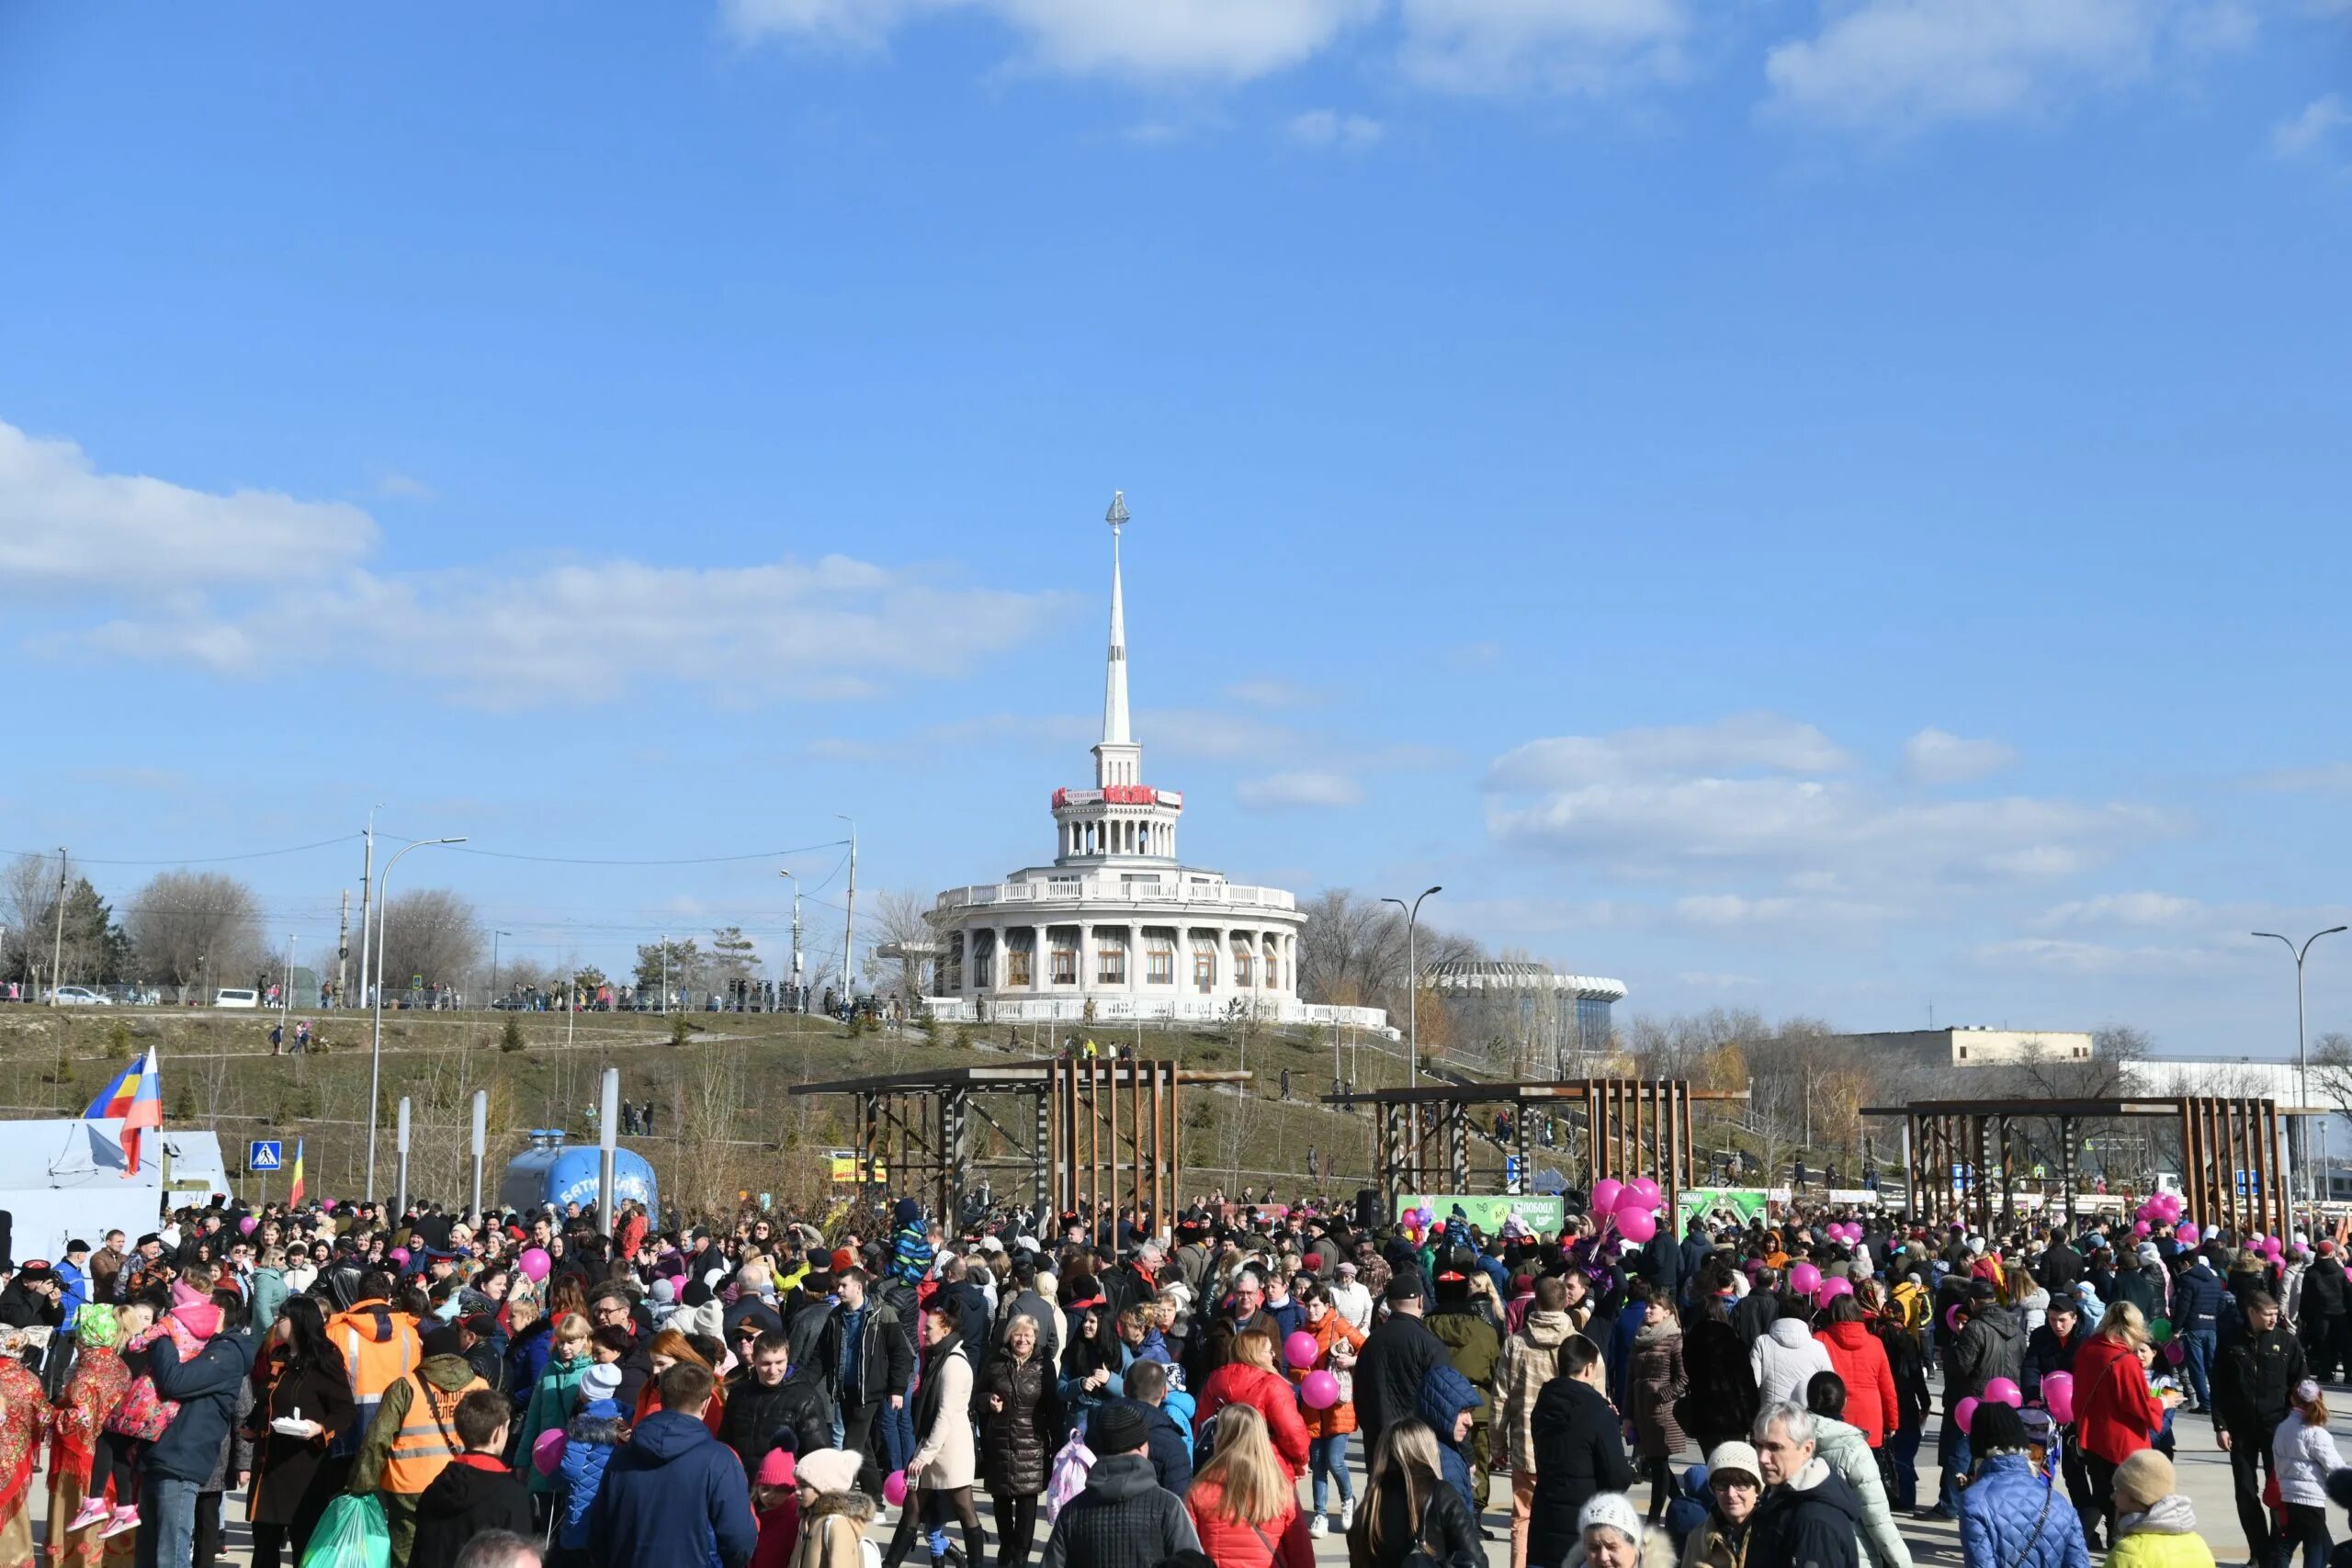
<point x="2204" y="1473"/>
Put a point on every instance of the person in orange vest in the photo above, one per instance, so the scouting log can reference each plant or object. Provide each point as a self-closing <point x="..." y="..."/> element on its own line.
<point x="379" y="1346"/>
<point x="415" y="1436"/>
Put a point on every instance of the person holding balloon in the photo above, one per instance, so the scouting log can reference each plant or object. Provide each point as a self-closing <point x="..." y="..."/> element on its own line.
<point x="1326" y="1345"/>
<point x="2007" y="1519"/>
<point x="1250" y="1379"/>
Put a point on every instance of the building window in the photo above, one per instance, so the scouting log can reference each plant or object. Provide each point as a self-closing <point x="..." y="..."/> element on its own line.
<point x="983" y="962"/>
<point x="1273" y="965"/>
<point x="1016" y="965"/>
<point x="1204" y="971"/>
<point x="1065" y="964"/>
<point x="1241" y="964"/>
<point x="1160" y="957"/>
<point x="1111" y="964"/>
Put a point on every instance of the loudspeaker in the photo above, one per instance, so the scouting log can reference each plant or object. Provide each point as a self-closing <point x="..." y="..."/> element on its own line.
<point x="8" y="1243"/>
<point x="1367" y="1207"/>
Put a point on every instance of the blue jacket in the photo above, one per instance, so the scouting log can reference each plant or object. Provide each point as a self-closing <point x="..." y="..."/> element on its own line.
<point x="206" y="1388"/>
<point x="589" y="1443"/>
<point x="674" y="1495"/>
<point x="2197" y="1298"/>
<point x="2009" y="1518"/>
<point x="76" y="1291"/>
<point x="1445" y="1395"/>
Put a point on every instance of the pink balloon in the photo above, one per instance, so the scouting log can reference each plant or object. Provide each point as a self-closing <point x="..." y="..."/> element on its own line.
<point x="894" y="1488"/>
<point x="535" y="1264"/>
<point x="1646" y="1190"/>
<point x="1605" y="1193"/>
<point x="1963" y="1415"/>
<point x="2001" y="1390"/>
<point x="1831" y="1289"/>
<point x="1952" y="1317"/>
<point x="2175" y="1352"/>
<point x="2140" y="1227"/>
<point x="399" y="1256"/>
<point x="2058" y="1397"/>
<point x="547" y="1451"/>
<point x="2187" y="1232"/>
<point x="1320" y="1390"/>
<point x="247" y="1226"/>
<point x="1636" y="1225"/>
<point x="1300" y="1350"/>
<point x="1804" y="1278"/>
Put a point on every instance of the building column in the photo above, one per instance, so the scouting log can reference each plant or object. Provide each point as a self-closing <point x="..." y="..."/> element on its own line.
<point x="1223" y="963"/>
<point x="1040" y="956"/>
<point x="1135" y="958"/>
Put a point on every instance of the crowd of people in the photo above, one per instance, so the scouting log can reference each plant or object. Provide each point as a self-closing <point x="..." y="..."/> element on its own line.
<point x="440" y="1391"/>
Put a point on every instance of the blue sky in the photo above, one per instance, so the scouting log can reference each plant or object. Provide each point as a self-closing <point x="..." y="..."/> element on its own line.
<point x="1823" y="507"/>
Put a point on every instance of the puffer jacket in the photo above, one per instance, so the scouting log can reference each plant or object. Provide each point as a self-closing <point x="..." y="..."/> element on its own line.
<point x="1785" y="1363"/>
<point x="1857" y="1357"/>
<point x="1334" y="1333"/>
<point x="1579" y="1451"/>
<point x="1279" y="1543"/>
<point x="1850" y="1460"/>
<point x="1445" y="1395"/>
<point x="2303" y="1455"/>
<point x="2197" y="1298"/>
<point x="2011" y="1517"/>
<point x="1238" y="1383"/>
<point x="1992" y="1346"/>
<point x="589" y="1443"/>
<point x="1017" y="1442"/>
<point x="2164" y="1537"/>
<point x="1530" y="1360"/>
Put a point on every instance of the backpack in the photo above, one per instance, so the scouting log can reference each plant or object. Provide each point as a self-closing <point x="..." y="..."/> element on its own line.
<point x="1068" y="1478"/>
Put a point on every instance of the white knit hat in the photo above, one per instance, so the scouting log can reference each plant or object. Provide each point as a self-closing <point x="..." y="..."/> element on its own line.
<point x="1616" y="1511"/>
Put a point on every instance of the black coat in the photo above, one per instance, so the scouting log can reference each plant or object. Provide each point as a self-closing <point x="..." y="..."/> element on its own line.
<point x="1754" y="1316"/>
<point x="463" y="1500"/>
<point x="2323" y="1290"/>
<point x="1395" y="1357"/>
<point x="1814" y="1528"/>
<point x="1992" y="1346"/>
<point x="758" y="1417"/>
<point x="1016" y="1442"/>
<point x="2058" y="1268"/>
<point x="1448" y="1533"/>
<point x="290" y="1470"/>
<point x="1579" y="1450"/>
<point x="2253" y="1374"/>
<point x="1123" y="1519"/>
<point x="1722" y="1400"/>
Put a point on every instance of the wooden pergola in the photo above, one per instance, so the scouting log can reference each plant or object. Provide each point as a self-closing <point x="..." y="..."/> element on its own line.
<point x="1102" y="1132"/>
<point x="1635" y="1127"/>
<point x="1959" y="1165"/>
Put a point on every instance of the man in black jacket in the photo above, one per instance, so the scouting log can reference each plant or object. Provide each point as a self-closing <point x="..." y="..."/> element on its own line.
<point x="866" y="1361"/>
<point x="2059" y="1266"/>
<point x="774" y="1400"/>
<point x="1579" y="1449"/>
<point x="2325" y="1299"/>
<point x="1395" y="1357"/>
<point x="2259" y="1366"/>
<point x="1808" y="1517"/>
<point x="1125" y="1518"/>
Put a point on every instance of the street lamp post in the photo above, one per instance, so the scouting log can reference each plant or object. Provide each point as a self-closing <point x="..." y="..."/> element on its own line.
<point x="2302" y="1067"/>
<point x="849" y="914"/>
<point x="793" y="1003"/>
<point x="375" y="1048"/>
<point x="1413" y="983"/>
<point x="494" y="964"/>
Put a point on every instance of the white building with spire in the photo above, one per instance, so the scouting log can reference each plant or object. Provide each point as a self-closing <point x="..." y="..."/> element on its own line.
<point x="1118" y="926"/>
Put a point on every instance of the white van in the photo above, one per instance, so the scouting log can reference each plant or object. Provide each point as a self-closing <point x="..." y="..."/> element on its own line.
<point x="236" y="998"/>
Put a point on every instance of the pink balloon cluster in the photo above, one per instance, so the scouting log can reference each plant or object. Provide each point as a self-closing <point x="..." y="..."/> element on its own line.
<point x="1633" y="1205"/>
<point x="1845" y="1232"/>
<point x="1830" y="1290"/>
<point x="2161" y="1208"/>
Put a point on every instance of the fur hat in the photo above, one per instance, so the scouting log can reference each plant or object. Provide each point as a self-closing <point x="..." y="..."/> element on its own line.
<point x="1616" y="1511"/>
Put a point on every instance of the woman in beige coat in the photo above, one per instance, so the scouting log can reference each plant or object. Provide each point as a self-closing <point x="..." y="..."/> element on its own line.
<point x="945" y="1462"/>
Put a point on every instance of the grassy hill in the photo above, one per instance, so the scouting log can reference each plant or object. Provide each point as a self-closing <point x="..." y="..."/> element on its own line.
<point x="725" y="1119"/>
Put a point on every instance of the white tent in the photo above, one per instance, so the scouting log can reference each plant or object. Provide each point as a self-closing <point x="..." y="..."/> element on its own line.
<point x="64" y="1179"/>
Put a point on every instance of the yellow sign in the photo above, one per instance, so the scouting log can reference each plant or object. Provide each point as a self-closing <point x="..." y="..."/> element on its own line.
<point x="842" y="1168"/>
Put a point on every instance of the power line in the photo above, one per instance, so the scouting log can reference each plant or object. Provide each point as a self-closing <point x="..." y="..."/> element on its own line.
<point x="208" y="860"/>
<point x="577" y="860"/>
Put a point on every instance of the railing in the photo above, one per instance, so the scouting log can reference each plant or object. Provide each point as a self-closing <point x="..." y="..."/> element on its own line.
<point x="1175" y="895"/>
<point x="1176" y="1010"/>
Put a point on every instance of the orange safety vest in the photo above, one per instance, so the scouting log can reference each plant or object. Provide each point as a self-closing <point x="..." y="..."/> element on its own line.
<point x="427" y="1439"/>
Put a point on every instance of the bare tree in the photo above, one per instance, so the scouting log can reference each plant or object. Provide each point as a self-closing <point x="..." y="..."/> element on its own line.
<point x="897" y="922"/>
<point x="432" y="937"/>
<point x="185" y="925"/>
<point x="2331" y="1071"/>
<point x="1355" y="953"/>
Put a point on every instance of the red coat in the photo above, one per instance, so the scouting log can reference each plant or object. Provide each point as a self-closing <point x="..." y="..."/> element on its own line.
<point x="2114" y="1408"/>
<point x="1238" y="1383"/>
<point x="1860" y="1359"/>
<point x="1231" y="1545"/>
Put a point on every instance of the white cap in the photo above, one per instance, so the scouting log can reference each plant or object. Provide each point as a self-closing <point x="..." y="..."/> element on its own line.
<point x="1614" y="1510"/>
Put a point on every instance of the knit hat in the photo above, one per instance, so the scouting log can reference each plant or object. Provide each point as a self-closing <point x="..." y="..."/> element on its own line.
<point x="2145" y="1254"/>
<point x="2141" y="1480"/>
<point x="1735" y="1459"/>
<point x="600" y="1381"/>
<point x="665" y="1289"/>
<point x="1118" y="1426"/>
<point x="776" y="1469"/>
<point x="200" y="1318"/>
<point x="827" y="1470"/>
<point x="442" y="1341"/>
<point x="1616" y="1511"/>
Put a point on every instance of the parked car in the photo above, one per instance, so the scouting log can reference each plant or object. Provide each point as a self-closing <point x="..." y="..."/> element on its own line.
<point x="79" y="997"/>
<point x="236" y="996"/>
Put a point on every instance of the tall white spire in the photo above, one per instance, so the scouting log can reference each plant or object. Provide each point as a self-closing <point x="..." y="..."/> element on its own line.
<point x="1117" y="760"/>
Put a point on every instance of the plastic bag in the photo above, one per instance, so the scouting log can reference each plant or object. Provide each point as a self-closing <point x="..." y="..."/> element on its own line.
<point x="351" y="1534"/>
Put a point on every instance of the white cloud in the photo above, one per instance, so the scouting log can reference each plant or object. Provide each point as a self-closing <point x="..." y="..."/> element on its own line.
<point x="2124" y="909"/>
<point x="1587" y="47"/>
<point x="1905" y="64"/>
<point x="1742" y="743"/>
<point x="1226" y="39"/>
<point x="1329" y="128"/>
<point x="1933" y="756"/>
<point x="1299" y="791"/>
<point x="2059" y="956"/>
<point x="65" y="525"/>
<point x="2311" y="130"/>
<point x="1761" y="794"/>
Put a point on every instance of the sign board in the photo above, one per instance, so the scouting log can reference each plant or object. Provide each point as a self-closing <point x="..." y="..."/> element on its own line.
<point x="1741" y="1203"/>
<point x="1855" y="1198"/>
<point x="265" y="1154"/>
<point x="1543" y="1215"/>
<point x="841" y="1167"/>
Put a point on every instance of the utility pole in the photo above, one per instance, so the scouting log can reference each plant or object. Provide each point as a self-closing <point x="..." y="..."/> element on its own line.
<point x="1413" y="986"/>
<point x="342" y="950"/>
<point x="494" y="962"/>
<point x="793" y="1004"/>
<point x="663" y="959"/>
<point x="850" y="915"/>
<point x="376" y="1046"/>
<point x="2299" y="1127"/>
<point x="57" y="948"/>
<point x="286" y="1014"/>
<point x="367" y="874"/>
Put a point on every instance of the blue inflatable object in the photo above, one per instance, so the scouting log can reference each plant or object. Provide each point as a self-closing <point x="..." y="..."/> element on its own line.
<point x="550" y="1174"/>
